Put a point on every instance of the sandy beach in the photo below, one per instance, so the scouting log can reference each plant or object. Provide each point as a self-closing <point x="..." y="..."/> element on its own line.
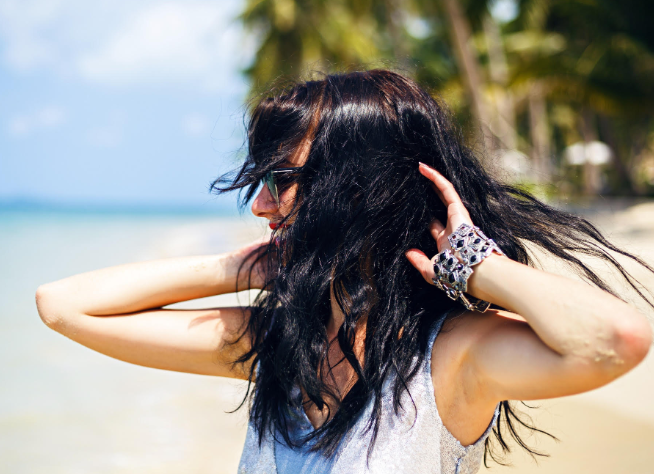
<point x="606" y="431"/>
<point x="67" y="409"/>
<point x="609" y="430"/>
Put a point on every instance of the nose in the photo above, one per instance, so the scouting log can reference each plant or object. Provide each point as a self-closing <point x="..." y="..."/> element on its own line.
<point x="264" y="204"/>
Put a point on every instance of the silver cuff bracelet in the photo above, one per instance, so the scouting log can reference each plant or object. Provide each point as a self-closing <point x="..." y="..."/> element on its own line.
<point x="453" y="267"/>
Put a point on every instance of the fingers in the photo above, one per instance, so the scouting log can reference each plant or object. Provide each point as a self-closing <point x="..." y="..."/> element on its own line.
<point x="445" y="189"/>
<point x="246" y="250"/>
<point x="456" y="210"/>
<point x="456" y="215"/>
<point x="422" y="263"/>
<point x="436" y="229"/>
<point x="256" y="243"/>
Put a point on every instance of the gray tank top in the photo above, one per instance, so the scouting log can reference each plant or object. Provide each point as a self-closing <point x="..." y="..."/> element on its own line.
<point x="402" y="445"/>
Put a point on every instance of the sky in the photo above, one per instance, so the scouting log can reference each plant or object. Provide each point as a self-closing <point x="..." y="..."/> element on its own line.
<point x="120" y="101"/>
<point x="123" y="102"/>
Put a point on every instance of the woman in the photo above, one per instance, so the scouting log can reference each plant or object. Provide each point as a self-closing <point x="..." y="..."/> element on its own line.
<point x="365" y="188"/>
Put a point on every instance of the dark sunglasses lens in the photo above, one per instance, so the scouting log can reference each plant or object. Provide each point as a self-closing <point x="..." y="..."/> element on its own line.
<point x="269" y="181"/>
<point x="284" y="181"/>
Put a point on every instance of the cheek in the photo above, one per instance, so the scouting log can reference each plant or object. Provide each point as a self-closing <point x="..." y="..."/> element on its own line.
<point x="287" y="199"/>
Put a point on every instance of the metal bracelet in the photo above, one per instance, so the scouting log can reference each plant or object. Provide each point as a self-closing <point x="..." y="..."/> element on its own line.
<point x="453" y="267"/>
<point x="472" y="244"/>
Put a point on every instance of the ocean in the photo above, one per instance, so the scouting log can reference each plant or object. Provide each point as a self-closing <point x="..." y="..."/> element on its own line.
<point x="67" y="409"/>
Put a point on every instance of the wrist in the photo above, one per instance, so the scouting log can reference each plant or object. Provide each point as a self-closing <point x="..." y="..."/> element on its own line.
<point x="236" y="271"/>
<point x="224" y="269"/>
<point x="469" y="246"/>
<point x="483" y="283"/>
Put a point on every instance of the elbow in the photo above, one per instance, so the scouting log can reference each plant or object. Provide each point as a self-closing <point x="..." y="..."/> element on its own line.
<point x="616" y="348"/>
<point x="633" y="339"/>
<point x="47" y="307"/>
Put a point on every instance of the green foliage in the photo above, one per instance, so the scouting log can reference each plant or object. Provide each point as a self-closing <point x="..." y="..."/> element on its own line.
<point x="544" y="191"/>
<point x="591" y="61"/>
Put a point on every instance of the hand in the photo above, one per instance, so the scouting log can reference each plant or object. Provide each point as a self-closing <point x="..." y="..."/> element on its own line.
<point x="260" y="268"/>
<point x="457" y="214"/>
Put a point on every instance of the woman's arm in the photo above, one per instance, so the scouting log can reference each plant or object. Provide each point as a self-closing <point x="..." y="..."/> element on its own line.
<point x="575" y="337"/>
<point x="118" y="311"/>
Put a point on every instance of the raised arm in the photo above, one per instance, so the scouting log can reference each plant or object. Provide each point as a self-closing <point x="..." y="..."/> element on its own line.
<point x="118" y="311"/>
<point x="569" y="336"/>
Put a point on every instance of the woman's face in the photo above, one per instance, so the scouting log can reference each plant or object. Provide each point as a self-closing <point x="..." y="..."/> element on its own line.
<point x="264" y="204"/>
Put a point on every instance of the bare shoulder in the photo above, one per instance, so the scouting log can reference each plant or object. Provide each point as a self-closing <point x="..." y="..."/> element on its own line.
<point x="465" y="410"/>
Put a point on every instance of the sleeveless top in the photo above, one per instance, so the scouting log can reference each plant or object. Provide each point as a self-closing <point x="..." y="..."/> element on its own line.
<point x="407" y="442"/>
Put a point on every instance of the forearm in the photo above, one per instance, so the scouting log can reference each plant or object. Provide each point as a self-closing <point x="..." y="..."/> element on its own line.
<point x="143" y="285"/>
<point x="571" y="317"/>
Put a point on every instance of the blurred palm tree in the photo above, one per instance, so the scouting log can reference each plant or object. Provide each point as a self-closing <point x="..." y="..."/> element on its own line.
<point x="560" y="72"/>
<point x="593" y="58"/>
<point x="294" y="35"/>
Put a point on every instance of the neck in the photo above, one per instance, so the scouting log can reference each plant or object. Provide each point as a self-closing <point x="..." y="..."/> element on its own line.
<point x="337" y="318"/>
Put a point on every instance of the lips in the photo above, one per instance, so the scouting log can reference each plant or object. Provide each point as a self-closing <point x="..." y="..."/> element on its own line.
<point x="274" y="225"/>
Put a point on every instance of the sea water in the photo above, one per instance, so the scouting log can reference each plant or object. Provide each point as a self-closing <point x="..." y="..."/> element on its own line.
<point x="67" y="409"/>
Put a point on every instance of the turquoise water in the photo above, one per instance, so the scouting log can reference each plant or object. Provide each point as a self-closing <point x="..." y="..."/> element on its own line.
<point x="65" y="408"/>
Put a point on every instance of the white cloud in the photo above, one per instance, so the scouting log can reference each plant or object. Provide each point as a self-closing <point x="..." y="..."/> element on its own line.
<point x="170" y="41"/>
<point x="50" y="116"/>
<point x="20" y="22"/>
<point x="19" y="126"/>
<point x="44" y="118"/>
<point x="124" y="43"/>
<point x="195" y="125"/>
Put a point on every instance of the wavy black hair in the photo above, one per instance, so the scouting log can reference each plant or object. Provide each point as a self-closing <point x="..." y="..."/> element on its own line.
<point x="362" y="204"/>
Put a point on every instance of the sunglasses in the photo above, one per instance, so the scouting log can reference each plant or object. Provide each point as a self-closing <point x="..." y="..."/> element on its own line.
<point x="279" y="178"/>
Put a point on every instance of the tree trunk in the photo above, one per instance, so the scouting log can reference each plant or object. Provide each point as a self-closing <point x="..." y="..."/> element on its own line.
<point x="502" y="124"/>
<point x="620" y="167"/>
<point x="591" y="172"/>
<point x="540" y="134"/>
<point x="394" y="19"/>
<point x="469" y="67"/>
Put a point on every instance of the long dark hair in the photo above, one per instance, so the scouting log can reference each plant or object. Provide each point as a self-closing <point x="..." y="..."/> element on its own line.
<point x="362" y="203"/>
